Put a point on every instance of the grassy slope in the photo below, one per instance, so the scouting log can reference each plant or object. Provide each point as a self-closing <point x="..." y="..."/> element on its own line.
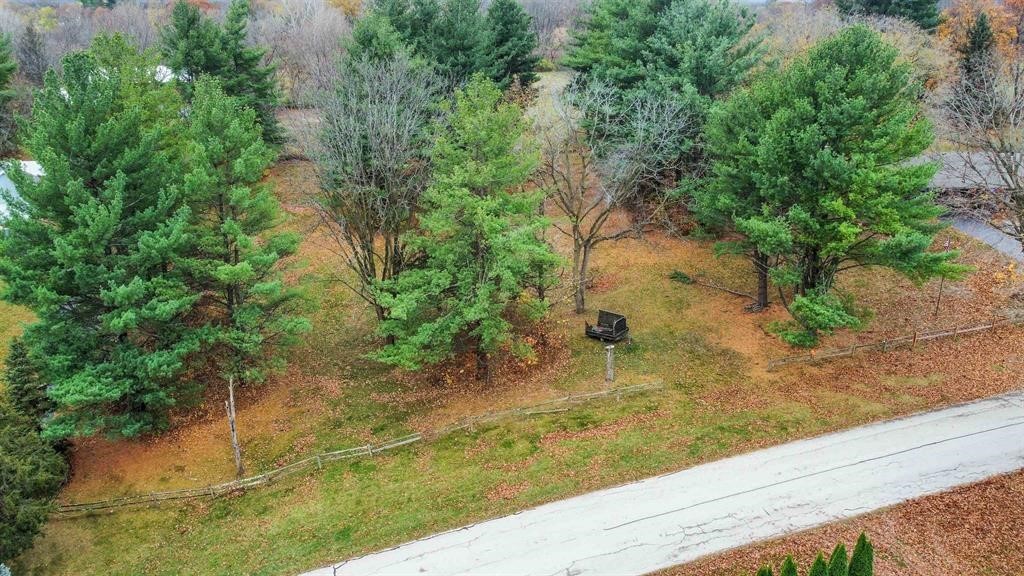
<point x="718" y="400"/>
<point x="12" y="321"/>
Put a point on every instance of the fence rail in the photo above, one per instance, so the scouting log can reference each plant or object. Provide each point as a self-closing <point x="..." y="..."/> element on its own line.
<point x="550" y="407"/>
<point x="910" y="340"/>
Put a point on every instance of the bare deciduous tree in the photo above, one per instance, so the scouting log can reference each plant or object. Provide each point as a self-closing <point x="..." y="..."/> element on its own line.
<point x="372" y="149"/>
<point x="793" y="27"/>
<point x="983" y="115"/>
<point x="305" y="40"/>
<point x="134" y="21"/>
<point x="553" y="20"/>
<point x="589" y="173"/>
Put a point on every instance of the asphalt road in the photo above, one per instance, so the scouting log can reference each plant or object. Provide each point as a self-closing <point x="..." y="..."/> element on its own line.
<point x="671" y="519"/>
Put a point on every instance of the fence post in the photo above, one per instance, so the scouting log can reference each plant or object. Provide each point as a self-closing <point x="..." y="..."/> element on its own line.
<point x="609" y="363"/>
<point x="235" y="446"/>
<point x="913" y="343"/>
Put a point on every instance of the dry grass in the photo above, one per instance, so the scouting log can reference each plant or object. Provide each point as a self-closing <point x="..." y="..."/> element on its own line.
<point x="12" y="321"/>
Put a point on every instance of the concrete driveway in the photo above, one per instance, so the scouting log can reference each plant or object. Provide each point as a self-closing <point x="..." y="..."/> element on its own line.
<point x="667" y="520"/>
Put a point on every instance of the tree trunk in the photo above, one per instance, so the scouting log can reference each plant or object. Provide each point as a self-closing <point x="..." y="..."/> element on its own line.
<point x="761" y="267"/>
<point x="483" y="365"/>
<point x="230" y="405"/>
<point x="382" y="315"/>
<point x="582" y="263"/>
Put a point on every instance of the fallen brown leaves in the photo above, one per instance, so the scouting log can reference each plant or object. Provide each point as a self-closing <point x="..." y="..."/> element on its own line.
<point x="506" y="491"/>
<point x="609" y="430"/>
<point x="976" y="529"/>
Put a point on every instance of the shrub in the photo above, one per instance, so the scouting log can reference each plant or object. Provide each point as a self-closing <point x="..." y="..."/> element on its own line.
<point x="817" y="313"/>
<point x="860" y="564"/>
<point x="31" y="473"/>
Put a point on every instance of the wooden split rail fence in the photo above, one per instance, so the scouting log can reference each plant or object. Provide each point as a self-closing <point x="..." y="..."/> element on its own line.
<point x="891" y="344"/>
<point x="550" y="407"/>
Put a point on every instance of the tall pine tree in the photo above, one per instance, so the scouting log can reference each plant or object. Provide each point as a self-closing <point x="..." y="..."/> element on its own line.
<point x="452" y="35"/>
<point x="244" y="76"/>
<point x="191" y="45"/>
<point x="690" y="51"/>
<point x="512" y="44"/>
<point x="31" y="54"/>
<point x="977" y="50"/>
<point x="811" y="165"/>
<point x="31" y="474"/>
<point x="375" y="39"/>
<point x="478" y="235"/>
<point x="194" y="45"/>
<point x="235" y="257"/>
<point x="8" y="67"/>
<point x="90" y="247"/>
<point x="457" y="44"/>
<point x="26" y="391"/>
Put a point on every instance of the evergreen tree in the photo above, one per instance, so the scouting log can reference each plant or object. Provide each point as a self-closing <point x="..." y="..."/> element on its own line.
<point x="458" y="41"/>
<point x="811" y="165"/>
<point x="819" y="568"/>
<point x="413" y="19"/>
<point x="862" y="561"/>
<point x="980" y="39"/>
<point x="788" y="567"/>
<point x="31" y="474"/>
<point x="191" y="45"/>
<point x="923" y="12"/>
<point x="838" y="561"/>
<point x="977" y="52"/>
<point x="375" y="39"/>
<point x="690" y="51"/>
<point x="90" y="247"/>
<point x="610" y="46"/>
<point x="194" y="45"/>
<point x="478" y="235"/>
<point x="235" y="261"/>
<point x="25" y="390"/>
<point x="451" y="35"/>
<point x="861" y="565"/>
<point x="31" y="52"/>
<point x="512" y="44"/>
<point x="8" y="67"/>
<point x="244" y="76"/>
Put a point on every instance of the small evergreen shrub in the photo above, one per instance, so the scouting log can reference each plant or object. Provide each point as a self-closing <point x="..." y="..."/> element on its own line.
<point x="861" y="563"/>
<point x="681" y="277"/>
<point x="545" y="65"/>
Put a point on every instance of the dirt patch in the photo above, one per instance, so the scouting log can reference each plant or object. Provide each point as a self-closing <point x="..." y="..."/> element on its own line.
<point x="971" y="530"/>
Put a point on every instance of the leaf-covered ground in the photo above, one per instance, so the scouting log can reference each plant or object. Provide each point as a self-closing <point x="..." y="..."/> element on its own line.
<point x="971" y="530"/>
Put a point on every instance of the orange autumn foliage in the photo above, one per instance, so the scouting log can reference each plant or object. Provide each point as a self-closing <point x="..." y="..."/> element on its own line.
<point x="1006" y="19"/>
<point x="350" y="8"/>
